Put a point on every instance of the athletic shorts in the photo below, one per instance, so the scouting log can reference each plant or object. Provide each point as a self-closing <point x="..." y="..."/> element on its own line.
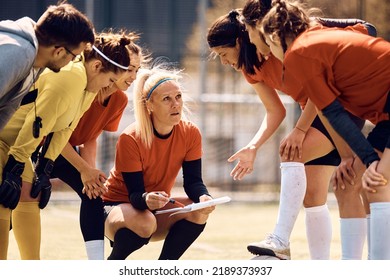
<point x="379" y="137"/>
<point x="108" y="206"/>
<point x="333" y="157"/>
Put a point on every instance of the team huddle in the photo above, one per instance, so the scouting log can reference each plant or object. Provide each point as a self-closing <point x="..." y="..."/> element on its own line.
<point x="62" y="84"/>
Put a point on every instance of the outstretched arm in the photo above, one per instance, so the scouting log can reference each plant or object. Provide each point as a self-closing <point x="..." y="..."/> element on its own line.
<point x="275" y="114"/>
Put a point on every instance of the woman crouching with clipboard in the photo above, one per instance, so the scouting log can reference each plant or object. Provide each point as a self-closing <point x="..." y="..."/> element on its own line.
<point x="149" y="155"/>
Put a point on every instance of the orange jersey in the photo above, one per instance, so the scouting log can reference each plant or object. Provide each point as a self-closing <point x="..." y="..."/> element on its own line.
<point x="271" y="73"/>
<point x="99" y="118"/>
<point x="160" y="164"/>
<point x="329" y="63"/>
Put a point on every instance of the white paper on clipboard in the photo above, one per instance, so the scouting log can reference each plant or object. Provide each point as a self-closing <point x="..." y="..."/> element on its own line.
<point x="195" y="206"/>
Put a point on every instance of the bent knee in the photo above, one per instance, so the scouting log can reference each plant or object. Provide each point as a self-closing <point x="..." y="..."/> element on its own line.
<point x="314" y="198"/>
<point x="346" y="193"/>
<point x="146" y="230"/>
<point x="198" y="217"/>
<point x="145" y="226"/>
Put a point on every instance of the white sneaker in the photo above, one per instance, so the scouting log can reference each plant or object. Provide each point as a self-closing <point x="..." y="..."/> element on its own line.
<point x="271" y="246"/>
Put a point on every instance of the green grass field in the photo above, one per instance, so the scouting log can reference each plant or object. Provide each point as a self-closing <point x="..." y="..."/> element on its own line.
<point x="230" y="228"/>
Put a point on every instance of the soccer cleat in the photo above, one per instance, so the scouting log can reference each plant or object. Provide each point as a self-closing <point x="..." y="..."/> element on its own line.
<point x="271" y="246"/>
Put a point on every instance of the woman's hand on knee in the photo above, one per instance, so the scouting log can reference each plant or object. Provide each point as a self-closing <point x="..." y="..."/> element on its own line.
<point x="372" y="179"/>
<point x="344" y="174"/>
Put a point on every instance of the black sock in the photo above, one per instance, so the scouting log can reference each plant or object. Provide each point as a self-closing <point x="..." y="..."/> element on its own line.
<point x="125" y="243"/>
<point x="180" y="237"/>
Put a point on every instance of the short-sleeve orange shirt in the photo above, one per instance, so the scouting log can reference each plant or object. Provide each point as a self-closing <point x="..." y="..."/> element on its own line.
<point x="330" y="63"/>
<point x="271" y="73"/>
<point x="99" y="118"/>
<point x="160" y="164"/>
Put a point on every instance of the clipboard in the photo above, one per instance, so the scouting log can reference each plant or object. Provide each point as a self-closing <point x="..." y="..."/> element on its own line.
<point x="195" y="206"/>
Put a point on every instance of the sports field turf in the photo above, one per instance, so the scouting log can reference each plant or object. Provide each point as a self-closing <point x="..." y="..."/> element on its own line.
<point x="230" y="228"/>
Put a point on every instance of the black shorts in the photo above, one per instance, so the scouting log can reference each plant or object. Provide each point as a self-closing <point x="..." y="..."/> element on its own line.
<point x="379" y="137"/>
<point x="108" y="206"/>
<point x="333" y="157"/>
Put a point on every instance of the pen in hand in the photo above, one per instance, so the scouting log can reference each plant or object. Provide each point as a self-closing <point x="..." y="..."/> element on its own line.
<point x="171" y="200"/>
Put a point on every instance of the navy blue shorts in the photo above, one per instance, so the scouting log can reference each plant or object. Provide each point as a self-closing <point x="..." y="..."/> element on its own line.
<point x="333" y="157"/>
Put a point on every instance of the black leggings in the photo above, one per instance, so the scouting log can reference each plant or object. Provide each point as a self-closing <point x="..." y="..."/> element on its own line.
<point x="91" y="210"/>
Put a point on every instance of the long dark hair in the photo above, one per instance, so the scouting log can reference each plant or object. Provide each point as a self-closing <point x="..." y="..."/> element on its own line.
<point x="224" y="33"/>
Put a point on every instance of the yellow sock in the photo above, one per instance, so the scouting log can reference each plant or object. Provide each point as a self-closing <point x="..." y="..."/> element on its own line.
<point x="26" y="224"/>
<point x="5" y="217"/>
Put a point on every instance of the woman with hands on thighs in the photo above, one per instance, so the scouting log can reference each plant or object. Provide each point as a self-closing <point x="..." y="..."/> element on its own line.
<point x="307" y="154"/>
<point x="326" y="77"/>
<point x="149" y="155"/>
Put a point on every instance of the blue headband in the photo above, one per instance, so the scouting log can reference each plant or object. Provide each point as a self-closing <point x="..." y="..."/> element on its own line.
<point x="156" y="85"/>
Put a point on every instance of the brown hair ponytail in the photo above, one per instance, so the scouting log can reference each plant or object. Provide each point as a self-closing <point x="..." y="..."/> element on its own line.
<point x="114" y="47"/>
<point x="287" y="20"/>
<point x="254" y="11"/>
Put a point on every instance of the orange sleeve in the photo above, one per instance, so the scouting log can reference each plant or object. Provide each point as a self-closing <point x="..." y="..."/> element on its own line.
<point x="316" y="83"/>
<point x="120" y="104"/>
<point x="249" y="79"/>
<point x="194" y="150"/>
<point x="128" y="158"/>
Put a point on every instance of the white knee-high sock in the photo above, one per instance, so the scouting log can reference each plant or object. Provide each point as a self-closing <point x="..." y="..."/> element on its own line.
<point x="380" y="231"/>
<point x="95" y="249"/>
<point x="292" y="192"/>
<point x="368" y="236"/>
<point x="353" y="233"/>
<point x="318" y="231"/>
